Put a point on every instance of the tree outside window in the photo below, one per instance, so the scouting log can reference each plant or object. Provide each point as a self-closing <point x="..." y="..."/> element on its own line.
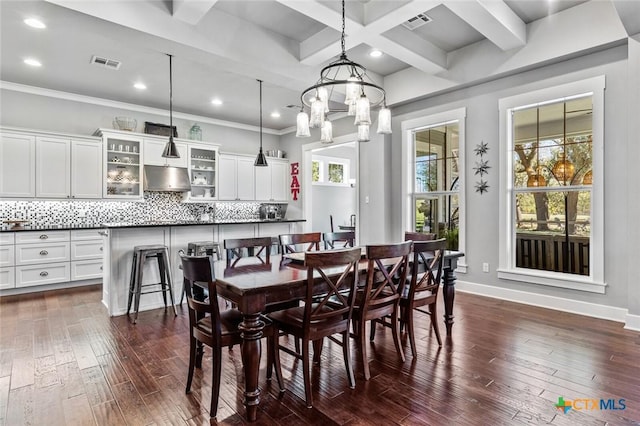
<point x="436" y="184"/>
<point x="315" y="171"/>
<point x="336" y="173"/>
<point x="552" y="172"/>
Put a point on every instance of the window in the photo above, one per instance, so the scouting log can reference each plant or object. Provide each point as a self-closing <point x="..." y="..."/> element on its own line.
<point x="551" y="188"/>
<point x="315" y="171"/>
<point x="330" y="170"/>
<point x="434" y="175"/>
<point x="336" y="172"/>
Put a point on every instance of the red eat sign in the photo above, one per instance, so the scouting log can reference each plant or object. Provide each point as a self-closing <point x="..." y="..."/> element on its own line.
<point x="295" y="184"/>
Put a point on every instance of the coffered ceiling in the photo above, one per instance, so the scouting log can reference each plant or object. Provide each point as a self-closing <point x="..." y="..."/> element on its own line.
<point x="221" y="47"/>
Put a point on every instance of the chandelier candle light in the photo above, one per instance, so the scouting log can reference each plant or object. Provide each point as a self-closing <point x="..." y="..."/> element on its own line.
<point x="360" y="95"/>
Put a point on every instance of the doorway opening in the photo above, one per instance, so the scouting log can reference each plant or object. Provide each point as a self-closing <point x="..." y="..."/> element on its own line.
<point x="331" y="174"/>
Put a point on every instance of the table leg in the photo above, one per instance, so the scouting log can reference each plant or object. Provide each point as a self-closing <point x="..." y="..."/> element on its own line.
<point x="448" y="293"/>
<point x="251" y="331"/>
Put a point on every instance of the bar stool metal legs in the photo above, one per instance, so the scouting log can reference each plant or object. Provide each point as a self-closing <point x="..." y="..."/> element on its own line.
<point x="140" y="255"/>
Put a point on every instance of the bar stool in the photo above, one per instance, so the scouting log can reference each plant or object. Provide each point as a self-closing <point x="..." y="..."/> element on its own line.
<point x="140" y="255"/>
<point x="204" y="248"/>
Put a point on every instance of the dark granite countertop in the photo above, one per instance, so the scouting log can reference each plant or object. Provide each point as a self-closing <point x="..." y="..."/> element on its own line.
<point x="63" y="227"/>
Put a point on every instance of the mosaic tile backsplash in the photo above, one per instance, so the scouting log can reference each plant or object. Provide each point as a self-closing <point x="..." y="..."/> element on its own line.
<point x="156" y="206"/>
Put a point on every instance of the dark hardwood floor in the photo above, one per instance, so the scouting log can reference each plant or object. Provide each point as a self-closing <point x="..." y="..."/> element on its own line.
<point x="63" y="361"/>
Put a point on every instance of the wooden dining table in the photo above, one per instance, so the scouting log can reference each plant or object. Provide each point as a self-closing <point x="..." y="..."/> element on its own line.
<point x="254" y="285"/>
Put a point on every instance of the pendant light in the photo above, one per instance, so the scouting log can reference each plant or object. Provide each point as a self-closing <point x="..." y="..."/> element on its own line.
<point x="563" y="169"/>
<point x="170" y="149"/>
<point x="261" y="160"/>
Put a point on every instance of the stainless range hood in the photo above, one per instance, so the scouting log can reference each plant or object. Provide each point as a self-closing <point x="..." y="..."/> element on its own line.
<point x="165" y="178"/>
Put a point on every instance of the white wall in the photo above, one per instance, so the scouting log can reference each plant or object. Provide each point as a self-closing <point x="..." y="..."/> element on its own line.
<point x="482" y="120"/>
<point x="374" y="179"/>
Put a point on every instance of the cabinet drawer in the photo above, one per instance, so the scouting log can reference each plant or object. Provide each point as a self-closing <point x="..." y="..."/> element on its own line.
<point x="27" y="276"/>
<point x="7" y="278"/>
<point x="42" y="237"/>
<point x="30" y="254"/>
<point x="82" y="250"/>
<point x="7" y="256"/>
<point x="85" y="234"/>
<point x="86" y="269"/>
<point x="6" y="238"/>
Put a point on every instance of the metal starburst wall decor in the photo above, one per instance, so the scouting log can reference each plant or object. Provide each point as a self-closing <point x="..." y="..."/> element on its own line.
<point x="482" y="167"/>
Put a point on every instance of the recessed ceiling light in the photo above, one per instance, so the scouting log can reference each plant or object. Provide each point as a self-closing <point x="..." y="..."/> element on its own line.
<point x="275" y="114"/>
<point x="375" y="53"/>
<point x="35" y="23"/>
<point x="33" y="62"/>
<point x="216" y="101"/>
<point x="140" y="86"/>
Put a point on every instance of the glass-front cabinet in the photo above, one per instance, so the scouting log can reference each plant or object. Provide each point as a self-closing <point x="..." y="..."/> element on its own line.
<point x="203" y="171"/>
<point x="123" y="173"/>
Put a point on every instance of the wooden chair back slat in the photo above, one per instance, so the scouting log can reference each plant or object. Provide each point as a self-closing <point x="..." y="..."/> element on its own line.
<point x="235" y="249"/>
<point x="290" y="242"/>
<point x="418" y="236"/>
<point x="334" y="240"/>
<point x="426" y="268"/>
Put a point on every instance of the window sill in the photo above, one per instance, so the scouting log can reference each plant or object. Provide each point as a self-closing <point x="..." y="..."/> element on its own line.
<point x="553" y="280"/>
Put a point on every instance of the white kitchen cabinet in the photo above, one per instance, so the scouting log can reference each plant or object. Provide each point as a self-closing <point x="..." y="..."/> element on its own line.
<point x="203" y="172"/>
<point x="17" y="165"/>
<point x="37" y="258"/>
<point x="271" y="181"/>
<point x="68" y="168"/>
<point x="86" y="169"/>
<point x="153" y="149"/>
<point x="48" y="165"/>
<point x="7" y="278"/>
<point x="53" y="167"/>
<point x="236" y="177"/>
<point x="122" y="172"/>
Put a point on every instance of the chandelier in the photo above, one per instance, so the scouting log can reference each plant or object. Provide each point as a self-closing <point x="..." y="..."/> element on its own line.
<point x="354" y="92"/>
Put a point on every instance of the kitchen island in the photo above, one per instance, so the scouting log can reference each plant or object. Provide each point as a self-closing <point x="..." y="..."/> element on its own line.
<point x="119" y="239"/>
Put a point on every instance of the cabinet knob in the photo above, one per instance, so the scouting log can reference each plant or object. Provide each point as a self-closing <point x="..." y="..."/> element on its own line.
<point x="44" y="273"/>
<point x="44" y="237"/>
<point x="100" y="248"/>
<point x="101" y="268"/>
<point x="44" y="252"/>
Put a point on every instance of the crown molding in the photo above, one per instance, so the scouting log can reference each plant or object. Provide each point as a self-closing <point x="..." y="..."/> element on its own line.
<point x="40" y="91"/>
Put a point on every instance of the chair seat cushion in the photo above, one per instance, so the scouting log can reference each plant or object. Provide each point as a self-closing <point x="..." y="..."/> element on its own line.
<point x="294" y="317"/>
<point x="229" y="321"/>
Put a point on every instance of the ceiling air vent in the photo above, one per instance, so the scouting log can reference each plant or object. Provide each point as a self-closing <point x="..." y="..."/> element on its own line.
<point x="107" y="63"/>
<point x="416" y="21"/>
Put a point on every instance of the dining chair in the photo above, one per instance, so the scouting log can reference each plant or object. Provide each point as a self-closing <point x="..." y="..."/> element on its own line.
<point x="325" y="317"/>
<point x="418" y="236"/>
<point x="379" y="297"/>
<point x="291" y="243"/>
<point x="421" y="294"/>
<point x="235" y="249"/>
<point x="334" y="240"/>
<point x="210" y="326"/>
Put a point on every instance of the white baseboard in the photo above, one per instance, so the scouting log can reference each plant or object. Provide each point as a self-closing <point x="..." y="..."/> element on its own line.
<point x="632" y="322"/>
<point x="551" y="302"/>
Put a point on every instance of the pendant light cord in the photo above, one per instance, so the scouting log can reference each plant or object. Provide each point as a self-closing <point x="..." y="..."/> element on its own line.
<point x="344" y="54"/>
<point x="260" y="81"/>
<point x="170" y="97"/>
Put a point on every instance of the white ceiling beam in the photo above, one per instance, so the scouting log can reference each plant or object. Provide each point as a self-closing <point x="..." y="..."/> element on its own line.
<point x="323" y="46"/>
<point x="493" y="19"/>
<point x="412" y="49"/>
<point x="629" y="13"/>
<point x="191" y="11"/>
